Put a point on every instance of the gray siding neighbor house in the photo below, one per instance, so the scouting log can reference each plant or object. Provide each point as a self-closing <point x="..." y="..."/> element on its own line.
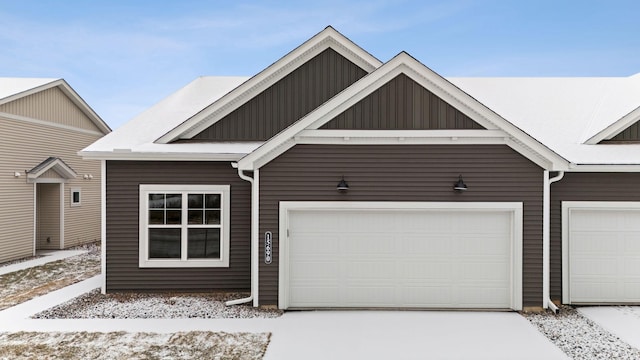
<point x="333" y="180"/>
<point x="49" y="196"/>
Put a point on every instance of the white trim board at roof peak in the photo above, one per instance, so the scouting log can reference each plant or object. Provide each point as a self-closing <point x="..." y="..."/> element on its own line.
<point x="405" y="64"/>
<point x="616" y="128"/>
<point x="328" y="38"/>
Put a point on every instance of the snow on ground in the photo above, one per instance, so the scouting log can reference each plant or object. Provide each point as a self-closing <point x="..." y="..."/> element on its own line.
<point x="95" y="305"/>
<point x="622" y="321"/>
<point x="581" y="338"/>
<point x="123" y="345"/>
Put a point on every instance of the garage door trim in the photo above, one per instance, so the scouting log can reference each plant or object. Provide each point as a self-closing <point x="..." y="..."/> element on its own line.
<point x="568" y="207"/>
<point x="515" y="208"/>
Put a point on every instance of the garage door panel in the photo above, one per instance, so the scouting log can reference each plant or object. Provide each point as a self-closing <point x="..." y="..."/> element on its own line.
<point x="402" y="258"/>
<point x="603" y="260"/>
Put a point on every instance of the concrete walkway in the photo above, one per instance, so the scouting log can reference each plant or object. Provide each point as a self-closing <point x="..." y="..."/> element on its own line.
<point x="329" y="334"/>
<point x="47" y="256"/>
<point x="622" y="321"/>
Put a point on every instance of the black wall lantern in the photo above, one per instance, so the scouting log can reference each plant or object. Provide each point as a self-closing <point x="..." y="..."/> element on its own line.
<point x="460" y="185"/>
<point x="342" y="185"/>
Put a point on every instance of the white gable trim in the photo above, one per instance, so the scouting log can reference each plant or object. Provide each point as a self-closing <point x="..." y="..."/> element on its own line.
<point x="615" y="128"/>
<point x="56" y="164"/>
<point x="403" y="63"/>
<point x="328" y="38"/>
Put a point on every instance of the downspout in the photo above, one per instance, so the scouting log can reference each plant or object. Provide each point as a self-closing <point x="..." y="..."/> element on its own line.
<point x="546" y="240"/>
<point x="254" y="238"/>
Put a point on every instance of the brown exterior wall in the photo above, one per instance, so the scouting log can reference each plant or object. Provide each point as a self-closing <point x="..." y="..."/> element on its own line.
<point x="584" y="187"/>
<point x="404" y="173"/>
<point x="123" y="274"/>
<point x="286" y="101"/>
<point x="630" y="134"/>
<point x="401" y="104"/>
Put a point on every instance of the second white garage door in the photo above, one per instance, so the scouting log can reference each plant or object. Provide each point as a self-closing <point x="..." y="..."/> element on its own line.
<point x="430" y="255"/>
<point x="601" y="259"/>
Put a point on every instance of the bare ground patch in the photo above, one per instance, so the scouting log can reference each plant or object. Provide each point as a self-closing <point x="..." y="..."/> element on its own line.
<point x="19" y="286"/>
<point x="133" y="346"/>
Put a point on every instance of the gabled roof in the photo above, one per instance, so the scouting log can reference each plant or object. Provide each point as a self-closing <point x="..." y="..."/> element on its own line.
<point x="568" y="115"/>
<point x="51" y="163"/>
<point x="15" y="88"/>
<point x="327" y="38"/>
<point x="135" y="139"/>
<point x="497" y="127"/>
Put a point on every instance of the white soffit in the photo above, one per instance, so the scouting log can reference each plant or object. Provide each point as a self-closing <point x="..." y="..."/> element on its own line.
<point x="328" y="38"/>
<point x="404" y="63"/>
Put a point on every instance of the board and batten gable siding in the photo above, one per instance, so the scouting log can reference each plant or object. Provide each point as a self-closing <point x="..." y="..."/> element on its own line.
<point x="123" y="183"/>
<point x="402" y="104"/>
<point x="630" y="134"/>
<point x="584" y="187"/>
<point x="23" y="145"/>
<point x="286" y="101"/>
<point x="50" y="105"/>
<point x="494" y="173"/>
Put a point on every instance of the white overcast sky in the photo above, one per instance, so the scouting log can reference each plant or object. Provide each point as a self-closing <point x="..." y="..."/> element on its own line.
<point x="122" y="56"/>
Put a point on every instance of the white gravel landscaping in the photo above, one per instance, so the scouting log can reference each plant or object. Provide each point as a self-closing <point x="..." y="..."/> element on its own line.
<point x="95" y="305"/>
<point x="581" y="338"/>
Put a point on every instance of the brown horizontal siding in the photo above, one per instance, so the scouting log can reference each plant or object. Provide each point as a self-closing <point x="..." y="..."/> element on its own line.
<point x="584" y="187"/>
<point x="494" y="173"/>
<point x="286" y="101"/>
<point x="630" y="134"/>
<point x="402" y="104"/>
<point x="123" y="274"/>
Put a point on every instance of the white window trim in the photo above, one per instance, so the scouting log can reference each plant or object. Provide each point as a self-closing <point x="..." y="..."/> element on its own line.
<point x="79" y="191"/>
<point x="145" y="262"/>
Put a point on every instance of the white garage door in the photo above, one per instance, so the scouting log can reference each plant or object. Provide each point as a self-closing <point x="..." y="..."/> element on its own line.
<point x="601" y="243"/>
<point x="414" y="258"/>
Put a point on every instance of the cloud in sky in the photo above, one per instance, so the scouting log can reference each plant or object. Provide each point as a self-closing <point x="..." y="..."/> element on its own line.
<point x="123" y="56"/>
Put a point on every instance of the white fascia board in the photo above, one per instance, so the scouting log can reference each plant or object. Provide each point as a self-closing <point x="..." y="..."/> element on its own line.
<point x="404" y="63"/>
<point x="603" y="168"/>
<point x="122" y="155"/>
<point x="58" y="166"/>
<point x="615" y="128"/>
<point x="84" y="107"/>
<point x="48" y="123"/>
<point x="328" y="38"/>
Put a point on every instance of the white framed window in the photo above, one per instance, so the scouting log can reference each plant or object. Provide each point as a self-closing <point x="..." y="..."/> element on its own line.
<point x="184" y="225"/>
<point x="75" y="197"/>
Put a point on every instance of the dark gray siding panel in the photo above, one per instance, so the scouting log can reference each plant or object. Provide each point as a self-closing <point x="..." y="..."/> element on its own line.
<point x="630" y="134"/>
<point x="286" y="101"/>
<point x="402" y="104"/>
<point x="123" y="274"/>
<point x="584" y="187"/>
<point x="404" y="173"/>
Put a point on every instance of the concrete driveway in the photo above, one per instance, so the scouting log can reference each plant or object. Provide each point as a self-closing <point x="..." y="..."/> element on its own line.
<point x="622" y="321"/>
<point x="329" y="334"/>
<point x="408" y="335"/>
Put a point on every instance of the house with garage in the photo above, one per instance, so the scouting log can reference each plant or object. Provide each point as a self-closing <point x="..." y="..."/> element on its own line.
<point x="333" y="180"/>
<point x="49" y="195"/>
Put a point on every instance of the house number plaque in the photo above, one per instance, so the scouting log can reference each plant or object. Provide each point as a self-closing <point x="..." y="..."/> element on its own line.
<point x="267" y="247"/>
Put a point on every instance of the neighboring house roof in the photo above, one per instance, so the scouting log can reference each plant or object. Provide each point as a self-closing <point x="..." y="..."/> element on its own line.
<point x="136" y="137"/>
<point x="52" y="163"/>
<point x="15" y="88"/>
<point x="566" y="114"/>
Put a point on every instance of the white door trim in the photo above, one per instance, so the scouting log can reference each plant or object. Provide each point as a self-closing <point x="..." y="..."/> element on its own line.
<point x="516" y="240"/>
<point x="567" y="208"/>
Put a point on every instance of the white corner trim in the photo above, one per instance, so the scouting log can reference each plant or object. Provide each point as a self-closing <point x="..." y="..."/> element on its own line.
<point x="62" y="207"/>
<point x="568" y="207"/>
<point x="35" y="218"/>
<point x="515" y="208"/>
<point x="103" y="224"/>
